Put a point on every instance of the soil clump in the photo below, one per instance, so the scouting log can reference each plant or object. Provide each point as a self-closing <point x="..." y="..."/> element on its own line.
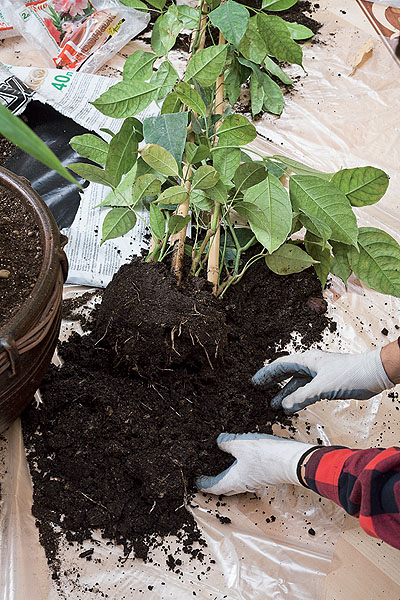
<point x="132" y="417"/>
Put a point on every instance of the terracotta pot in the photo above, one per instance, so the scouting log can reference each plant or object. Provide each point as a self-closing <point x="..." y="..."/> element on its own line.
<point x="28" y="340"/>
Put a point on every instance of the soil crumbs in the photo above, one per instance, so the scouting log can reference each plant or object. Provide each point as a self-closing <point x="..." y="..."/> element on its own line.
<point x="132" y="417"/>
<point x="21" y="254"/>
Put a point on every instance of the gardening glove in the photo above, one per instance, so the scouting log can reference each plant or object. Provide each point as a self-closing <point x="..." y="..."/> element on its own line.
<point x="318" y="375"/>
<point x="261" y="460"/>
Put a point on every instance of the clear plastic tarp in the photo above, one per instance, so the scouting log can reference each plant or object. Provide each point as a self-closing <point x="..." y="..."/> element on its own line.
<point x="334" y="120"/>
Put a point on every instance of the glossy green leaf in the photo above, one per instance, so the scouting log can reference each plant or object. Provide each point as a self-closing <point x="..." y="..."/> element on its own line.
<point x="321" y="255"/>
<point x="157" y="221"/>
<point x="363" y="185"/>
<point x="287" y="259"/>
<point x="231" y="19"/>
<point x="117" y="222"/>
<point x="139" y="66"/>
<point x="165" y="31"/>
<point x="273" y="199"/>
<point x="126" y="98"/>
<point x="249" y="174"/>
<point x="276" y="71"/>
<point x="218" y="193"/>
<point x="299" y="32"/>
<point x="315" y="226"/>
<point x="90" y="146"/>
<point x="168" y="131"/>
<point x="300" y="168"/>
<point x="323" y="200"/>
<point x="206" y="65"/>
<point x="92" y="173"/>
<point x="252" y="45"/>
<point x="176" y="223"/>
<point x="236" y="130"/>
<point x="341" y="264"/>
<point x="164" y="80"/>
<point x="122" y="194"/>
<point x="205" y="177"/>
<point x="226" y="159"/>
<point x="196" y="154"/>
<point x="277" y="39"/>
<point x="144" y="186"/>
<point x="278" y="4"/>
<point x="258" y="221"/>
<point x="173" y="195"/>
<point x="199" y="199"/>
<point x="171" y="104"/>
<point x="159" y="159"/>
<point x="191" y="98"/>
<point x="256" y="95"/>
<point x="378" y="262"/>
<point x="123" y="151"/>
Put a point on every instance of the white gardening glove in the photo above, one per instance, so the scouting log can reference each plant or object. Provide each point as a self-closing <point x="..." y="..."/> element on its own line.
<point x="261" y="460"/>
<point x="318" y="375"/>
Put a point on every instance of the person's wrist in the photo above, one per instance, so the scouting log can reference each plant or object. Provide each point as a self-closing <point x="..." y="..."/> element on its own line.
<point x="301" y="467"/>
<point x="390" y="357"/>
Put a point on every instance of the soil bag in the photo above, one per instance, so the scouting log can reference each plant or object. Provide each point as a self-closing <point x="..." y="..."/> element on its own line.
<point x="6" y="29"/>
<point x="76" y="34"/>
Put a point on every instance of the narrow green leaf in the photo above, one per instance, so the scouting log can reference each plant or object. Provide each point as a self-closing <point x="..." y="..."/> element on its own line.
<point x="137" y="4"/>
<point x="232" y="20"/>
<point x="256" y="95"/>
<point x="123" y="151"/>
<point x="321" y="255"/>
<point x="363" y="185"/>
<point x="278" y="4"/>
<point x="218" y="193"/>
<point x="315" y="226"/>
<point x="252" y="45"/>
<point x="299" y="32"/>
<point x="157" y="221"/>
<point x="196" y="154"/>
<point x="173" y="195"/>
<point x="206" y="65"/>
<point x="275" y="70"/>
<point x="139" y="66"/>
<point x="145" y="186"/>
<point x="126" y="98"/>
<point x="90" y="146"/>
<point x="92" y="173"/>
<point x="171" y="104"/>
<point x="159" y="159"/>
<point x="300" y="168"/>
<point x="188" y="16"/>
<point x="273" y="199"/>
<point x="191" y="98"/>
<point x="249" y="174"/>
<point x="165" y="31"/>
<point x="234" y="75"/>
<point x="164" y="80"/>
<point x="287" y="259"/>
<point x="378" y="262"/>
<point x="341" y="264"/>
<point x="236" y="130"/>
<point x="117" y="222"/>
<point x="176" y="223"/>
<point x="273" y="96"/>
<point x="277" y="39"/>
<point x="204" y="178"/>
<point x="168" y="131"/>
<point x="323" y="200"/>
<point x="226" y="159"/>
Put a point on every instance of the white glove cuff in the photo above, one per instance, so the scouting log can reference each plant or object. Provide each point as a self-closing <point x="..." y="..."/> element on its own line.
<point x="376" y="372"/>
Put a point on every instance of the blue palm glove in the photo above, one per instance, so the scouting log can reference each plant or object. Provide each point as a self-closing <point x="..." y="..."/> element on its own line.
<point x="318" y="375"/>
<point x="261" y="460"/>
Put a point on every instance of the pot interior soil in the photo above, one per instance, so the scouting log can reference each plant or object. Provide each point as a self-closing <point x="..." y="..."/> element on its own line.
<point x="21" y="254"/>
<point x="132" y="417"/>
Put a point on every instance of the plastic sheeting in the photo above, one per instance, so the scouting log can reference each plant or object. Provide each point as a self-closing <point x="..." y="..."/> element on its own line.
<point x="332" y="122"/>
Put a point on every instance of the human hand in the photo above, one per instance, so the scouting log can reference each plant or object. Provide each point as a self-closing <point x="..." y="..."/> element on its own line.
<point x="261" y="460"/>
<point x="318" y="375"/>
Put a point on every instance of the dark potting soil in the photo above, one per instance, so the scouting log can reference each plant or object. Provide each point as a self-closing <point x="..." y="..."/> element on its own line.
<point x="132" y="417"/>
<point x="21" y="254"/>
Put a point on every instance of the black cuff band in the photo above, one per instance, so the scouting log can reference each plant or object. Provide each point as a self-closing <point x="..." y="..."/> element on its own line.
<point x="300" y="464"/>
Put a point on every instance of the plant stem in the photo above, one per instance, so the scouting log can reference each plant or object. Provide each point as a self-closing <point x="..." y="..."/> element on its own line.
<point x="197" y="256"/>
<point x="179" y="239"/>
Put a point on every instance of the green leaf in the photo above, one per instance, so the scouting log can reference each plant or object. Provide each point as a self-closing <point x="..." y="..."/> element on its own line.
<point x="123" y="151"/>
<point x="90" y="146"/>
<point x="300" y="168"/>
<point x="157" y="221"/>
<point x="218" y="193"/>
<point x="122" y="195"/>
<point x="206" y="65"/>
<point x="204" y="178"/>
<point x="15" y="130"/>
<point x="226" y="159"/>
<point x="168" y="131"/>
<point x="176" y="223"/>
<point x="126" y="98"/>
<point x="188" y="16"/>
<point x="213" y="4"/>
<point x="139" y="66"/>
<point x="144" y="186"/>
<point x="273" y="199"/>
<point x="137" y="4"/>
<point x="287" y="259"/>
<point x="142" y="168"/>
<point x="278" y="4"/>
<point x="256" y="95"/>
<point x="165" y="31"/>
<point x="160" y="159"/>
<point x="378" y="262"/>
<point x="157" y="3"/>
<point x="315" y="226"/>
<point x="275" y="70"/>
<point x="252" y="45"/>
<point x="323" y="200"/>
<point x="232" y="20"/>
<point x="199" y="199"/>
<point x="249" y="174"/>
<point x="236" y="130"/>
<point x="363" y="185"/>
<point x="299" y="32"/>
<point x="191" y="98"/>
<point x="171" y="104"/>
<point x="173" y="195"/>
<point x="164" y="80"/>
<point x="277" y="39"/>
<point x="92" y="173"/>
<point x="118" y="221"/>
<point x="341" y="265"/>
<point x="196" y="154"/>
<point x="235" y="74"/>
<point x="107" y="131"/>
<point x="276" y="168"/>
<point x="258" y="221"/>
<point x="273" y="96"/>
<point x="321" y="255"/>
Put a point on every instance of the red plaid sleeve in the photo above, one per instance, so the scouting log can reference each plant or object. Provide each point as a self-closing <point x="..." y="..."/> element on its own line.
<point x="366" y="483"/>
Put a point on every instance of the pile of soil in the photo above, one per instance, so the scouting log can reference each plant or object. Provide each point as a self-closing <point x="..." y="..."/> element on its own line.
<point x="132" y="417"/>
<point x="21" y="254"/>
